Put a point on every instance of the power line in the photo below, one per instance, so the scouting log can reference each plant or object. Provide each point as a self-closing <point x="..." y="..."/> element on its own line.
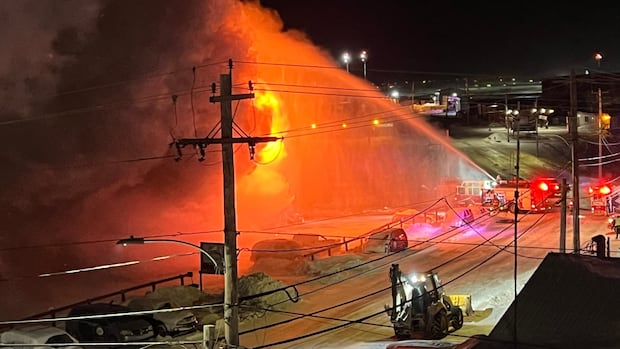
<point x="125" y="82"/>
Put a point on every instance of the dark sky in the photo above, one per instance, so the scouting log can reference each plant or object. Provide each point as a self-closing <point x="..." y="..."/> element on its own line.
<point x="482" y="37"/>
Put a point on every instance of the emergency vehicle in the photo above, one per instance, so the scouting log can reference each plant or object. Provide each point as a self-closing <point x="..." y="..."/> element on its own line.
<point x="538" y="195"/>
<point x="601" y="198"/>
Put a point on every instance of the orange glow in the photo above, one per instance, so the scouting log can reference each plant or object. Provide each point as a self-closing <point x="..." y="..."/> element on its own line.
<point x="332" y="170"/>
<point x="605" y="190"/>
<point x="543" y="186"/>
<point x="267" y="101"/>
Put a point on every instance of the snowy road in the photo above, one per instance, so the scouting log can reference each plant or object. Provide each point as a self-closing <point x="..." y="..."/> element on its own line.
<point x="469" y="261"/>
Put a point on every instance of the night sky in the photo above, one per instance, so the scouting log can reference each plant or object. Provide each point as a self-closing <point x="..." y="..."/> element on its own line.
<point x="484" y="37"/>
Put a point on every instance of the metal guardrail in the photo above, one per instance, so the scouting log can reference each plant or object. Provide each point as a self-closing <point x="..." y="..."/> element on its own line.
<point x="153" y="285"/>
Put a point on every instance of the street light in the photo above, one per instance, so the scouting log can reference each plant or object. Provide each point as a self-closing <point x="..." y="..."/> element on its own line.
<point x="495" y="106"/>
<point x="598" y="57"/>
<point x="346" y="58"/>
<point x="364" y="58"/>
<point x="507" y="113"/>
<point x="232" y="336"/>
<point x="395" y="95"/>
<point x="141" y="241"/>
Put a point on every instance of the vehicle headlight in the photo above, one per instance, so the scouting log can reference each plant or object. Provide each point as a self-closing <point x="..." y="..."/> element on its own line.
<point x="413" y="278"/>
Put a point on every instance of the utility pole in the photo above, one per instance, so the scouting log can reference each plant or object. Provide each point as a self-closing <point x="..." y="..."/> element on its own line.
<point x="600" y="135"/>
<point x="563" y="205"/>
<point x="231" y="294"/>
<point x="516" y="230"/>
<point x="413" y="95"/>
<point x="575" y="162"/>
<point x="508" y="127"/>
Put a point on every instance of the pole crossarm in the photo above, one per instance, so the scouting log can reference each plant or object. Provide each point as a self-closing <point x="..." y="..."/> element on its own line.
<point x="214" y="99"/>
<point x="206" y="141"/>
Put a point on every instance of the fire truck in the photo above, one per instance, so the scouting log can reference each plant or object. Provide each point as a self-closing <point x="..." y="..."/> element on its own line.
<point x="601" y="198"/>
<point x="538" y="195"/>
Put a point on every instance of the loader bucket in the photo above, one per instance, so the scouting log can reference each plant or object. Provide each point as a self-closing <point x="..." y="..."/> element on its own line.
<point x="462" y="301"/>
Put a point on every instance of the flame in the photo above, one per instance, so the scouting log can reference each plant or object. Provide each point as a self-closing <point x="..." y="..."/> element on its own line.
<point x="268" y="102"/>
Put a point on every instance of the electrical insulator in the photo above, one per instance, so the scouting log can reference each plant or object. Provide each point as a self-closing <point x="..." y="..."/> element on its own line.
<point x="252" y="151"/>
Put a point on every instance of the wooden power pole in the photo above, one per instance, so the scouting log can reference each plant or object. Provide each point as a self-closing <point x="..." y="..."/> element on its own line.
<point x="231" y="294"/>
<point x="574" y="124"/>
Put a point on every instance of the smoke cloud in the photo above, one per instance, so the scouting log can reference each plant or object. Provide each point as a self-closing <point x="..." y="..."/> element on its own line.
<point x="96" y="92"/>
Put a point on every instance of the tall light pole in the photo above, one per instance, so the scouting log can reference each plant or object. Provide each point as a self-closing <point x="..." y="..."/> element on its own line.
<point x="515" y="114"/>
<point x="364" y="58"/>
<point x="346" y="58"/>
<point x="598" y="57"/>
<point x="140" y="241"/>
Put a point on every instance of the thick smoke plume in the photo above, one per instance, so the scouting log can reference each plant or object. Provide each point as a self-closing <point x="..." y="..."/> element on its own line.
<point x="121" y="80"/>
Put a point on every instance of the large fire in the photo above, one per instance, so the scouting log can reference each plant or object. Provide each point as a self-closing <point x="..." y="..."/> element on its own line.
<point x="346" y="147"/>
<point x="267" y="101"/>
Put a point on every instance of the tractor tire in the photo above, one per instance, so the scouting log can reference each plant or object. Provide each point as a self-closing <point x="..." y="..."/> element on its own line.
<point x="438" y="327"/>
<point x="457" y="318"/>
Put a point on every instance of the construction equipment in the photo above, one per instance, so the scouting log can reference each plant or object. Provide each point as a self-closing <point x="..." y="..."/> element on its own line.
<point x="420" y="308"/>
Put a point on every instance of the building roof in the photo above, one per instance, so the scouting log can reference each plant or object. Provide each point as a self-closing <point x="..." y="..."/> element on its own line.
<point x="570" y="301"/>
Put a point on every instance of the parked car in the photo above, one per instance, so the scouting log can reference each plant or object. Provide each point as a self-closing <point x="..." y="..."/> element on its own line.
<point x="171" y="323"/>
<point x="279" y="257"/>
<point x="122" y="328"/>
<point x="386" y="241"/>
<point x="318" y="242"/>
<point x="39" y="336"/>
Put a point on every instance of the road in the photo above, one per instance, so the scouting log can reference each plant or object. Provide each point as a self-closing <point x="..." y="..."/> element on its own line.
<point x="469" y="261"/>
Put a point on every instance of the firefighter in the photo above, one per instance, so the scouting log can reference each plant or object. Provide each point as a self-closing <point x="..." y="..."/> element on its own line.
<point x="615" y="224"/>
<point x="489" y="196"/>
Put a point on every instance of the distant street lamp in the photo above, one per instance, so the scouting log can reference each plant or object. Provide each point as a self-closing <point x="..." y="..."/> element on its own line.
<point x="346" y="58"/>
<point x="364" y="58"/>
<point x="598" y="57"/>
<point x="495" y="105"/>
<point x="395" y="95"/>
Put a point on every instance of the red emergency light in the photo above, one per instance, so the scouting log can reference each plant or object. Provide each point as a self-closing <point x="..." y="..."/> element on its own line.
<point x="604" y="190"/>
<point x="543" y="186"/>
